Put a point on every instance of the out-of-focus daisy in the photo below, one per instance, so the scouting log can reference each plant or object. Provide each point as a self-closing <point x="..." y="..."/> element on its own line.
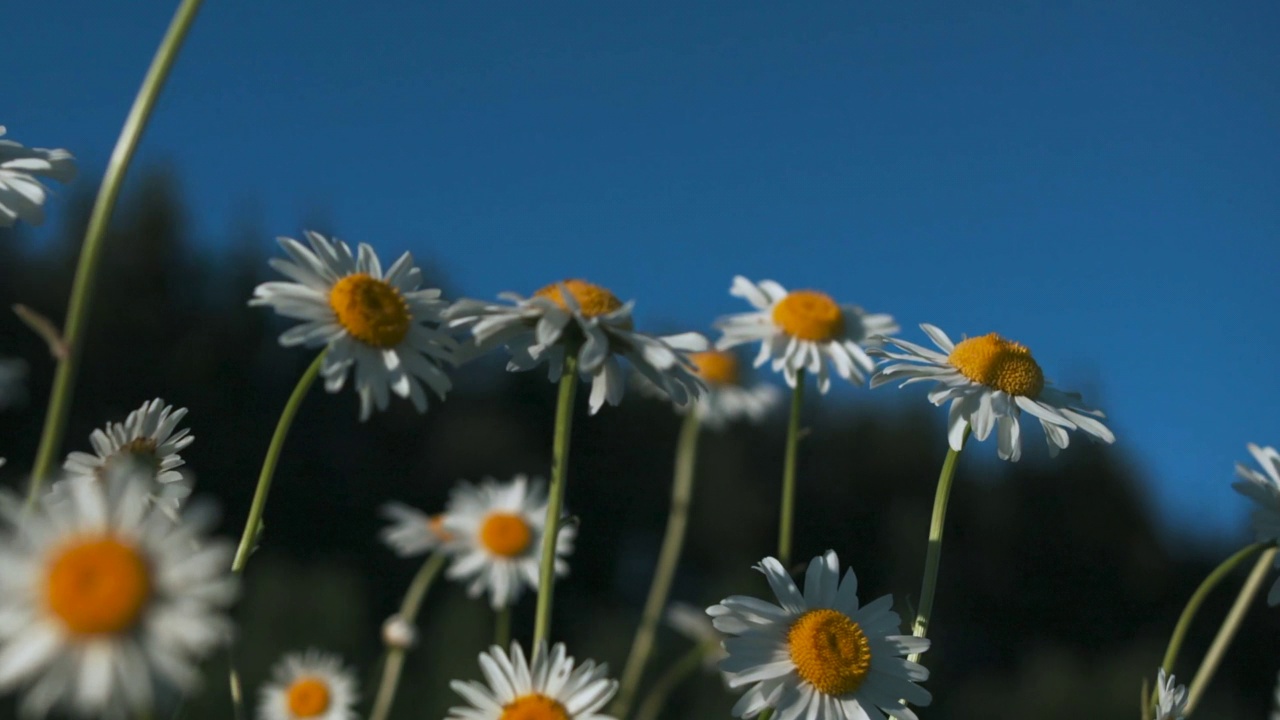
<point x="1263" y="488"/>
<point x="989" y="382"/>
<point x="693" y="623"/>
<point x="13" y="386"/>
<point x="589" y="322"/>
<point x="374" y="325"/>
<point x="549" y="688"/>
<point x="149" y="436"/>
<point x="1171" y="699"/>
<point x="412" y="532"/>
<point x="104" y="599"/>
<point x="729" y="396"/>
<point x="309" y="686"/>
<point x="22" y="195"/>
<point x="804" y="330"/>
<point x="497" y="534"/>
<point x="819" y="655"/>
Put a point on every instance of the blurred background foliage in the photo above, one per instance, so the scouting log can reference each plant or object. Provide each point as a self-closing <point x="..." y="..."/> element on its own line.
<point x="1058" y="588"/>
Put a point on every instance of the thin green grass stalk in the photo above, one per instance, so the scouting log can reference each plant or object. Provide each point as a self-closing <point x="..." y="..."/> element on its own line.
<point x="1197" y="599"/>
<point x="683" y="668"/>
<point x="668" y="559"/>
<point x="786" y="514"/>
<point x="502" y="627"/>
<point x="64" y="380"/>
<point x="253" y="524"/>
<point x="393" y="662"/>
<point x="933" y="555"/>
<point x="555" y="499"/>
<point x="1227" y="632"/>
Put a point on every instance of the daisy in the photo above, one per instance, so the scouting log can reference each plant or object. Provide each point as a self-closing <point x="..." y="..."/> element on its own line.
<point x="1171" y="699"/>
<point x="412" y="532"/>
<point x="497" y="532"/>
<point x="819" y="655"/>
<point x="549" y="688"/>
<point x="372" y="324"/>
<point x="310" y="685"/>
<point x="577" y="318"/>
<point x="13" y="375"/>
<point x="694" y="624"/>
<point x="804" y="330"/>
<point x="989" y="381"/>
<point x="104" y="600"/>
<point x="729" y="398"/>
<point x="1264" y="489"/>
<point x="21" y="194"/>
<point x="148" y="436"/>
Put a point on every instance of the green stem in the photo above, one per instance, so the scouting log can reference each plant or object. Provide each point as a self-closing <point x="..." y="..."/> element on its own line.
<point x="1197" y="599"/>
<point x="687" y="665"/>
<point x="1227" y="631"/>
<point x="668" y="559"/>
<point x="254" y="522"/>
<point x="502" y="627"/>
<point x="788" y="505"/>
<point x="933" y="555"/>
<point x="64" y="380"/>
<point x="555" y="500"/>
<point x="394" y="661"/>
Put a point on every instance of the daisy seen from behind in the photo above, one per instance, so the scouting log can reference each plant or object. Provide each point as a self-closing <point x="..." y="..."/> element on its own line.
<point x="309" y="686"/>
<point x="580" y="320"/>
<point x="990" y="382"/>
<point x="148" y="436"/>
<point x="818" y="654"/>
<point x="804" y="330"/>
<point x="496" y="531"/>
<point x="547" y="688"/>
<point x="1263" y="488"/>
<point x="1171" y="698"/>
<point x="22" y="195"/>
<point x="105" y="599"/>
<point x="381" y="328"/>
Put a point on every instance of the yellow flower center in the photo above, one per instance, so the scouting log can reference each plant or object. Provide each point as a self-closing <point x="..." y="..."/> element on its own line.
<point x="372" y="311"/>
<point x="308" y="697"/>
<point x="505" y="534"/>
<point x="435" y="524"/>
<point x="998" y="363"/>
<point x="830" y="651"/>
<point x="717" y="367"/>
<point x="98" y="585"/>
<point x="592" y="300"/>
<point x="809" y="315"/>
<point x="534" y="707"/>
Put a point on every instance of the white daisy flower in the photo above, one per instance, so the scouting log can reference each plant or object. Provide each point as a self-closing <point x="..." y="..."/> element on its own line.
<point x="693" y="623"/>
<point x="150" y="437"/>
<point x="589" y="322"/>
<point x="1263" y="488"/>
<point x="989" y="381"/>
<point x="804" y="330"/>
<point x="309" y="686"/>
<point x="729" y="398"/>
<point x="372" y="324"/>
<point x="103" y="599"/>
<point x="1171" y="699"/>
<point x="412" y="532"/>
<point x="549" y="688"/>
<point x="819" y="655"/>
<point x="22" y="195"/>
<point x="497" y="533"/>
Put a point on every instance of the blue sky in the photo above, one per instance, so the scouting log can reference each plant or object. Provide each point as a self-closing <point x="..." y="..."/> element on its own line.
<point x="1095" y="179"/>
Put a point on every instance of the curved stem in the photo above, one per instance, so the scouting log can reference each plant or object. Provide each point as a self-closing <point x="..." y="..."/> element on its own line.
<point x="254" y="523"/>
<point x="788" y="504"/>
<point x="668" y="559"/>
<point x="933" y="555"/>
<point x="1227" y="631"/>
<point x="64" y="380"/>
<point x="1197" y="599"/>
<point x="555" y="500"/>
<point x="687" y="665"/>
<point x="394" y="661"/>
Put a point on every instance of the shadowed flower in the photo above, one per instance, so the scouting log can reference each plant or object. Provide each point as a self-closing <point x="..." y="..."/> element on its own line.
<point x="820" y="654"/>
<point x="22" y="195"/>
<point x="374" y="325"/>
<point x="1263" y="488"/>
<point x="549" y="688"/>
<point x="989" y="382"/>
<point x="804" y="330"/>
<point x="586" y="321"/>
<point x="1171" y="699"/>
<point x="309" y="686"/>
